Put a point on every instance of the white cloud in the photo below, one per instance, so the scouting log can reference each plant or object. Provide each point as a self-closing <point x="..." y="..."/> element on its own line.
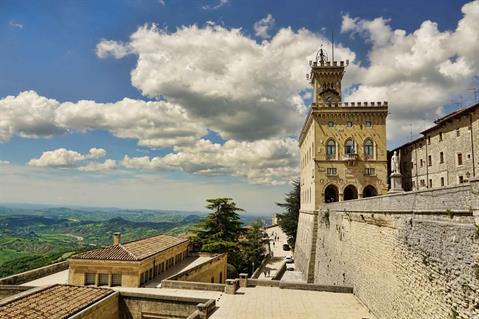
<point x="96" y="153"/>
<point x="228" y="82"/>
<point x="153" y="124"/>
<point x="106" y="48"/>
<point x="28" y="115"/>
<point x="260" y="162"/>
<point x="4" y="162"/>
<point x="218" y="5"/>
<point x="14" y="24"/>
<point x="263" y="27"/>
<point x="93" y="166"/>
<point x="59" y="158"/>
<point x="162" y="2"/>
<point x="416" y="72"/>
<point x="63" y="159"/>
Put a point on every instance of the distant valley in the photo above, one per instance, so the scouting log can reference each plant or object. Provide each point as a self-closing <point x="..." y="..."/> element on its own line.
<point x="34" y="237"/>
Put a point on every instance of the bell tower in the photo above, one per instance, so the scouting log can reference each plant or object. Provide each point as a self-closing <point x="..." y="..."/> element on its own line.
<point x="325" y="77"/>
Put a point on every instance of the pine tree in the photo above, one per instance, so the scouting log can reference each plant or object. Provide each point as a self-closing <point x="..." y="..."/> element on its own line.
<point x="288" y="221"/>
<point x="220" y="231"/>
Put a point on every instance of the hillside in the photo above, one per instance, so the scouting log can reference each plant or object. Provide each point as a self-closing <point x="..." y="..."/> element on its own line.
<point x="30" y="239"/>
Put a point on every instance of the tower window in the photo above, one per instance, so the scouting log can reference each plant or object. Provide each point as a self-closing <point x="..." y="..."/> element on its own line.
<point x="442" y="181"/>
<point x="459" y="159"/>
<point x="441" y="157"/>
<point x="330" y="124"/>
<point x="368" y="148"/>
<point x="458" y="132"/>
<point x="331" y="148"/>
<point x="429" y="160"/>
<point x="350" y="124"/>
<point x="440" y="136"/>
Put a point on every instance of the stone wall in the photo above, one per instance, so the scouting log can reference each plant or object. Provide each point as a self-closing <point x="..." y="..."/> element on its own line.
<point x="107" y="308"/>
<point x="211" y="271"/>
<point x="141" y="306"/>
<point x="305" y="244"/>
<point x="30" y="275"/>
<point x="177" y="284"/>
<point x="411" y="255"/>
<point x="10" y="290"/>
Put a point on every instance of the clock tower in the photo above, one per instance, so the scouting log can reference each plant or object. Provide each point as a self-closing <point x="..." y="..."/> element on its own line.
<point x="325" y="78"/>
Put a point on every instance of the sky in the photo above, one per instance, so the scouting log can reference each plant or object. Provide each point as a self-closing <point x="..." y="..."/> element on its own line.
<point x="161" y="104"/>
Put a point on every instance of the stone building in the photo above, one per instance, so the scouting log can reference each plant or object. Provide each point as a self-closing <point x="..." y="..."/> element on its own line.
<point x="138" y="263"/>
<point x="446" y="154"/>
<point x="343" y="154"/>
<point x="342" y="144"/>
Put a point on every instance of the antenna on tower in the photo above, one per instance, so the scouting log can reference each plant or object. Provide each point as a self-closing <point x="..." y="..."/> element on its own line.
<point x="332" y="46"/>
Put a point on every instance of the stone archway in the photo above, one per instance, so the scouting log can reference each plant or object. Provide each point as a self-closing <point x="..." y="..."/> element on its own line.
<point x="369" y="191"/>
<point x="350" y="192"/>
<point x="331" y="194"/>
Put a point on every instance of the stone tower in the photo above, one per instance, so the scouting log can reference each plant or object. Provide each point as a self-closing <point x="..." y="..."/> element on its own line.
<point x="343" y="153"/>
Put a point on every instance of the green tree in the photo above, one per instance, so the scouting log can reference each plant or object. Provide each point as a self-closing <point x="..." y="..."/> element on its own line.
<point x="288" y="221"/>
<point x="252" y="247"/>
<point x="220" y="231"/>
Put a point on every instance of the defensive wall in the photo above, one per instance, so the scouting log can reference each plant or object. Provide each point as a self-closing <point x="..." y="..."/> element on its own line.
<point x="411" y="255"/>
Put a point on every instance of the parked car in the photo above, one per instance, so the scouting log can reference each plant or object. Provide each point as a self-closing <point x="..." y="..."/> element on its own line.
<point x="286" y="247"/>
<point x="289" y="259"/>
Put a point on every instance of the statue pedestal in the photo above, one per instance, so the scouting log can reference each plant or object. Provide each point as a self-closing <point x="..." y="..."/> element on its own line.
<point x="396" y="183"/>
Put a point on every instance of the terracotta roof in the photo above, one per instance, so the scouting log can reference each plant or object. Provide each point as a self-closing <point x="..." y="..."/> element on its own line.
<point x="56" y="302"/>
<point x="134" y="250"/>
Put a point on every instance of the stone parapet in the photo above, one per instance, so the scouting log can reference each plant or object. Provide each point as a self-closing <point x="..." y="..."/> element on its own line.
<point x="351" y="104"/>
<point x="34" y="274"/>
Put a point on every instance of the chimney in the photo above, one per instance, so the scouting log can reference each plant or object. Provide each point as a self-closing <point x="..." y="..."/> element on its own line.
<point x="116" y="238"/>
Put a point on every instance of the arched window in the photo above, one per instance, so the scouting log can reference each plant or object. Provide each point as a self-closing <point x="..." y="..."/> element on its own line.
<point x="331" y="148"/>
<point x="349" y="147"/>
<point x="368" y="148"/>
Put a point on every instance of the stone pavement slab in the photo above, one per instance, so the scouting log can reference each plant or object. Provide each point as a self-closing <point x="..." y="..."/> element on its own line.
<point x="276" y="303"/>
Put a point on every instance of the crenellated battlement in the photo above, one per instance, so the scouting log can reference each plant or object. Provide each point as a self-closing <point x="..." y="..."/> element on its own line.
<point x="315" y="64"/>
<point x="351" y="104"/>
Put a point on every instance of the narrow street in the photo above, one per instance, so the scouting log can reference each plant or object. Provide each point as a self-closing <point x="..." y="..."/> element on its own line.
<point x="277" y="240"/>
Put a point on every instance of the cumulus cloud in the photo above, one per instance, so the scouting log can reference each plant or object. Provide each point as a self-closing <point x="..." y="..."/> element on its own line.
<point x="59" y="158"/>
<point x="263" y="27"/>
<point x="63" y="159"/>
<point x="416" y="72"/>
<point x="227" y="81"/>
<point x="260" y="162"/>
<point x="28" y="115"/>
<point x="14" y="24"/>
<point x="153" y="124"/>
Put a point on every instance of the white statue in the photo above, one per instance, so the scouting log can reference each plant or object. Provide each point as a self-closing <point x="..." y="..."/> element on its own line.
<point x="395" y="159"/>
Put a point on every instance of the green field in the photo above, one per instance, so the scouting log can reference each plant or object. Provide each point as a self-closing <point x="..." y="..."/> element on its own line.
<point x="35" y="238"/>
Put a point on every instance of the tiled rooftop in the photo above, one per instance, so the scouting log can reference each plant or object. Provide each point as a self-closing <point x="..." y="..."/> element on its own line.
<point x="56" y="302"/>
<point x="134" y="250"/>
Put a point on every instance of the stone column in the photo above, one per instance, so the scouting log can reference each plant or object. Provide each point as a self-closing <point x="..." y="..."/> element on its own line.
<point x="231" y="286"/>
<point x="243" y="280"/>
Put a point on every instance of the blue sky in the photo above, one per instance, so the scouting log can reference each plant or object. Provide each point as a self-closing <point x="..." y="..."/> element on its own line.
<point x="62" y="51"/>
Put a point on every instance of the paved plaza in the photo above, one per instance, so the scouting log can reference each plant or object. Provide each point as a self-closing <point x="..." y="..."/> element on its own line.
<point x="276" y="303"/>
